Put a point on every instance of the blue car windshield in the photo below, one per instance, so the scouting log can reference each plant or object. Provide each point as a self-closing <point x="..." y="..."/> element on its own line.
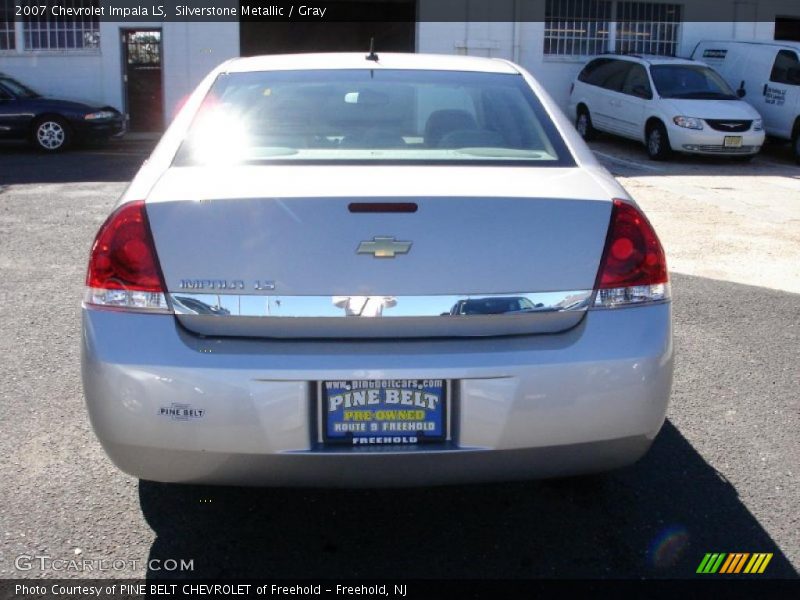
<point x="366" y="116"/>
<point x="16" y="88"/>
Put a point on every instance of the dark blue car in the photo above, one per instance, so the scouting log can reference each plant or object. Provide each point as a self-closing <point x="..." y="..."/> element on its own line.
<point x="50" y="123"/>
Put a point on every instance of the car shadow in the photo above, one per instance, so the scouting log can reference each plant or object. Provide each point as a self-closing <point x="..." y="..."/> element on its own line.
<point x="115" y="160"/>
<point x="655" y="519"/>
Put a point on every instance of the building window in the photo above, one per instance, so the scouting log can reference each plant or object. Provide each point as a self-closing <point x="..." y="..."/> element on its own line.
<point x="647" y="28"/>
<point x="576" y="27"/>
<point x="7" y="36"/>
<point x="49" y="32"/>
<point x="587" y="27"/>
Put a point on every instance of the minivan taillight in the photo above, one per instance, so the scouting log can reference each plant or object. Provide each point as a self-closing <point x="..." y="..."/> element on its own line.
<point x="633" y="269"/>
<point x="123" y="266"/>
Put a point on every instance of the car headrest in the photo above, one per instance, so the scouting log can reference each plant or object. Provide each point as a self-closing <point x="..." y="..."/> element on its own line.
<point x="442" y="122"/>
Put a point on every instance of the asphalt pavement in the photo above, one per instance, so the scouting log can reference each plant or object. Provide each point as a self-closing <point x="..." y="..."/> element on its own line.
<point x="721" y="477"/>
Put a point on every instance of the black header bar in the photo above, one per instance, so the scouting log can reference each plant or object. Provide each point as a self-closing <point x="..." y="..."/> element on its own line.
<point x="332" y="11"/>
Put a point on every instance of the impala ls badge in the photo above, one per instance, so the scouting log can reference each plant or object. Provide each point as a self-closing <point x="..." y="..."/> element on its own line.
<point x="383" y="247"/>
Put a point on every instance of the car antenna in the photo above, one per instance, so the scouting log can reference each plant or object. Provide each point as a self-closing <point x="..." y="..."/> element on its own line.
<point x="372" y="56"/>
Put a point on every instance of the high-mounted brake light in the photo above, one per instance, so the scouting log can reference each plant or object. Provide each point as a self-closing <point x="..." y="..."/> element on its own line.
<point x="633" y="269"/>
<point x="123" y="266"/>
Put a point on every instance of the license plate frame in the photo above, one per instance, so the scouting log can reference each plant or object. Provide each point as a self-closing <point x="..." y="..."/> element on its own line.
<point x="441" y="416"/>
<point x="732" y="141"/>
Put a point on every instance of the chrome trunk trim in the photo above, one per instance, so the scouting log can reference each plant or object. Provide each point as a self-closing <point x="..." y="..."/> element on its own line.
<point x="388" y="317"/>
<point x="316" y="307"/>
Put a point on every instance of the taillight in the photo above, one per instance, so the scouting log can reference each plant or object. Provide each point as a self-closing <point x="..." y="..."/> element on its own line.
<point x="633" y="269"/>
<point x="571" y="88"/>
<point x="123" y="266"/>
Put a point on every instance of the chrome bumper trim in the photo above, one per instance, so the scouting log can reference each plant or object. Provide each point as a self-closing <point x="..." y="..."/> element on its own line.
<point x="462" y="305"/>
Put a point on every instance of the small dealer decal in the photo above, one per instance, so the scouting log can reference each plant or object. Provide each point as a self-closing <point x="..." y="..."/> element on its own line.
<point x="181" y="412"/>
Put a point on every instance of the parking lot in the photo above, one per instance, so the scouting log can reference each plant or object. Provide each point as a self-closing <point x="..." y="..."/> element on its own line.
<point x="721" y="477"/>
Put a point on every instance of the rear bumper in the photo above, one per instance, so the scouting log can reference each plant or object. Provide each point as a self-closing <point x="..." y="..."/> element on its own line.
<point x="589" y="399"/>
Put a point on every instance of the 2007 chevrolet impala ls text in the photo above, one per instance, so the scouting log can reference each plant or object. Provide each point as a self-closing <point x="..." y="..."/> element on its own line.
<point x="349" y="270"/>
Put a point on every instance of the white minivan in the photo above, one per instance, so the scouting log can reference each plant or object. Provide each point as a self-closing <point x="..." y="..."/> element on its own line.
<point x="769" y="75"/>
<point x="670" y="104"/>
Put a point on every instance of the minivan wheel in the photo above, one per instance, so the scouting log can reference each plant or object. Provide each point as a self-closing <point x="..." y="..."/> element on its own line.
<point x="657" y="142"/>
<point x="51" y="134"/>
<point x="583" y="123"/>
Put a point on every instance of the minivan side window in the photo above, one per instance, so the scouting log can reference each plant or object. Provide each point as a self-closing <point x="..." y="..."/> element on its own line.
<point x="610" y="74"/>
<point x="637" y="83"/>
<point x="589" y="72"/>
<point x="786" y="68"/>
<point x="615" y="74"/>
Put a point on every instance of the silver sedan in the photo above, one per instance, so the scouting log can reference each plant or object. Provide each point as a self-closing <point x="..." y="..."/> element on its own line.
<point x="339" y="270"/>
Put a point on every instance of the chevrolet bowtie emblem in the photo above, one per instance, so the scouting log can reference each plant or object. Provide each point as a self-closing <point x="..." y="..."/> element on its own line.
<point x="383" y="247"/>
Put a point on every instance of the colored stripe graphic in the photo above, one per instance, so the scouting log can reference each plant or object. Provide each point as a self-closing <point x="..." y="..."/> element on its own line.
<point x="703" y="563"/>
<point x="741" y="562"/>
<point x="758" y="563"/>
<point x="732" y="558"/>
<point x="733" y="563"/>
<point x="711" y="562"/>
<point x="716" y="565"/>
<point x="765" y="563"/>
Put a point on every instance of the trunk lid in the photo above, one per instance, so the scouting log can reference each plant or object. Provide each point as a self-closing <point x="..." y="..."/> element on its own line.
<point x="244" y="247"/>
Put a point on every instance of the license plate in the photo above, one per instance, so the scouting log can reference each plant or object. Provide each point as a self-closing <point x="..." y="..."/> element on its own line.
<point x="733" y="141"/>
<point x="383" y="411"/>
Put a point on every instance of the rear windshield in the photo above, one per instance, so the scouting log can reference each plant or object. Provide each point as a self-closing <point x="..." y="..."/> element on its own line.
<point x="690" y="82"/>
<point x="362" y="115"/>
